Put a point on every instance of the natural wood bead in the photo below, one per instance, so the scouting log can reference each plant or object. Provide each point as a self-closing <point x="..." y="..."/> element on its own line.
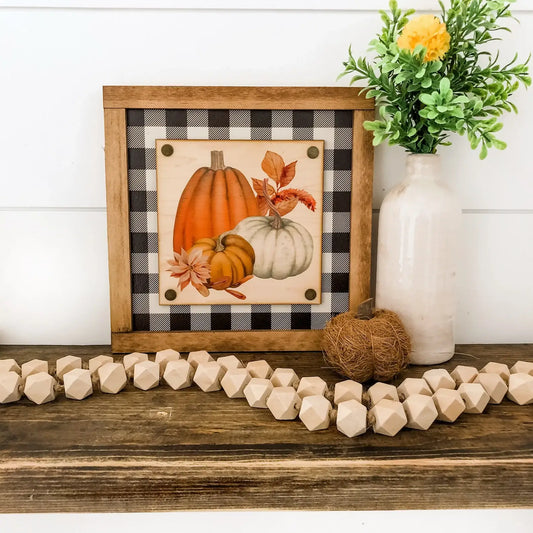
<point x="315" y="412"/>
<point x="521" y="389"/>
<point x="229" y="361"/>
<point x="234" y="381"/>
<point x="464" y="374"/>
<point x="40" y="388"/>
<point x="179" y="374"/>
<point x="112" y="378"/>
<point x="259" y="369"/>
<point x="163" y="357"/>
<point x="348" y="390"/>
<point x="35" y="366"/>
<point x="312" y="386"/>
<point x="9" y="365"/>
<point x="66" y="364"/>
<point x="497" y="368"/>
<point x="78" y="384"/>
<point x="130" y="360"/>
<point x="10" y="386"/>
<point x="96" y="362"/>
<point x="475" y="397"/>
<point x="200" y="356"/>
<point x="522" y="367"/>
<point x="420" y="411"/>
<point x="381" y="391"/>
<point x="284" y="403"/>
<point x="387" y="417"/>
<point x="285" y="377"/>
<point x="410" y="386"/>
<point x="351" y="418"/>
<point x="494" y="385"/>
<point x="449" y="404"/>
<point x="257" y="392"/>
<point x="146" y="375"/>
<point x="438" y="378"/>
<point x="208" y="376"/>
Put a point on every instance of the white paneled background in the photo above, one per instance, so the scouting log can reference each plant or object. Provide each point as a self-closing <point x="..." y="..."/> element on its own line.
<point x="57" y="54"/>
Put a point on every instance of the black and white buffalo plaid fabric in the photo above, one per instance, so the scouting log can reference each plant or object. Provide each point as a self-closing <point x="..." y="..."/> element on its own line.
<point x="144" y="126"/>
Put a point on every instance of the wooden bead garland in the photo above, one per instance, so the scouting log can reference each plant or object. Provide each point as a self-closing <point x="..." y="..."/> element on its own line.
<point x="416" y="404"/>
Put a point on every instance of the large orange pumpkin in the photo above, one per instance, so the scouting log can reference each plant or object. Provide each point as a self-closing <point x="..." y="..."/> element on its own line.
<point x="231" y="258"/>
<point x="214" y="201"/>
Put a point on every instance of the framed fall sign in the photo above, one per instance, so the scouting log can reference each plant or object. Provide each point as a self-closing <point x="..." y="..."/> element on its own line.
<point x="239" y="218"/>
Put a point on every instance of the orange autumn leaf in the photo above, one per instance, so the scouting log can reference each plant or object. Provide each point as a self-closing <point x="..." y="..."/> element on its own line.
<point x="258" y="188"/>
<point x="299" y="194"/>
<point x="285" y="206"/>
<point x="287" y="174"/>
<point x="273" y="166"/>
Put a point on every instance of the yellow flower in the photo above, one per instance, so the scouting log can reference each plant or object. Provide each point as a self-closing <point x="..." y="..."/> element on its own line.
<point x="428" y="31"/>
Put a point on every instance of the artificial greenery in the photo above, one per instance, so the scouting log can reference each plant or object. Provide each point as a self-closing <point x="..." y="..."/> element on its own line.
<point x="431" y="77"/>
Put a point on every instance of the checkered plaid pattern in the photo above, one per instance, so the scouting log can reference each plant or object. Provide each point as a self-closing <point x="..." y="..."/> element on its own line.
<point x="144" y="126"/>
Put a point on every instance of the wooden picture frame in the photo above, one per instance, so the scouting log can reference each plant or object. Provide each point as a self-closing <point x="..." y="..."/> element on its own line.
<point x="119" y="99"/>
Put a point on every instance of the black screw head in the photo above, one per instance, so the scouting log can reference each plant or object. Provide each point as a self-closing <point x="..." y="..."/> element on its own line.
<point x="171" y="294"/>
<point x="167" y="150"/>
<point x="310" y="294"/>
<point x="312" y="152"/>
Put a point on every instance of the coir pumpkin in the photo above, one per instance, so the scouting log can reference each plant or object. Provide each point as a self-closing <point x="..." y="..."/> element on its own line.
<point x="214" y="200"/>
<point x="231" y="259"/>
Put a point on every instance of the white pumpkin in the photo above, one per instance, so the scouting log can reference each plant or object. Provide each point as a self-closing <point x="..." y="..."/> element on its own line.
<point x="283" y="248"/>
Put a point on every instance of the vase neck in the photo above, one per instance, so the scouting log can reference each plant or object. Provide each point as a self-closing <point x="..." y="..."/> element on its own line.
<point x="422" y="167"/>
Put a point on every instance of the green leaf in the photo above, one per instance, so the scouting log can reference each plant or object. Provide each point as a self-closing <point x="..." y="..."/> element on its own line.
<point x="427" y="99"/>
<point x="484" y="152"/>
<point x="444" y="86"/>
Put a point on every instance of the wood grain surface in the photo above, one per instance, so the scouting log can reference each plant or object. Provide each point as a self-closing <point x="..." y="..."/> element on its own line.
<point x="173" y="450"/>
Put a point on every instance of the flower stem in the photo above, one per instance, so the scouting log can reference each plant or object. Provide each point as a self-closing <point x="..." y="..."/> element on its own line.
<point x="276" y="222"/>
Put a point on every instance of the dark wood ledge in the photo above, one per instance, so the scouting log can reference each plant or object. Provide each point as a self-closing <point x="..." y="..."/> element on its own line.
<point x="163" y="450"/>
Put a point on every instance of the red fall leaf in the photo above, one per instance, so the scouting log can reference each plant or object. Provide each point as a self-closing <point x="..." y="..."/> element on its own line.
<point x="287" y="174"/>
<point x="299" y="194"/>
<point x="273" y="166"/>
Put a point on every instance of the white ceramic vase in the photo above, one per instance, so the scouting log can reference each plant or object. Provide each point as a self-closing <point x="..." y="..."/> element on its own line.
<point x="419" y="225"/>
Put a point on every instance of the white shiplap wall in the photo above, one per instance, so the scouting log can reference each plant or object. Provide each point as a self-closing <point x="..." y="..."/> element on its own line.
<point x="56" y="55"/>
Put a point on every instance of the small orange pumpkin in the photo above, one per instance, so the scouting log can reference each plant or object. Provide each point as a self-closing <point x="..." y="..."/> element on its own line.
<point x="231" y="258"/>
<point x="214" y="201"/>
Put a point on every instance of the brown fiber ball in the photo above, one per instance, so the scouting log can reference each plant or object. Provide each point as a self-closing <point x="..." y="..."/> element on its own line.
<point x="361" y="350"/>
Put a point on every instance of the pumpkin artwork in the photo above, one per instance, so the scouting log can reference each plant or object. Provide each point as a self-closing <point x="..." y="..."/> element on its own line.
<point x="283" y="248"/>
<point x="231" y="260"/>
<point x="214" y="200"/>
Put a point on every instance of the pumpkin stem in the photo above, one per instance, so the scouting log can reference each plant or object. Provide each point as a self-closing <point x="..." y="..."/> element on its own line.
<point x="276" y="222"/>
<point x="217" y="160"/>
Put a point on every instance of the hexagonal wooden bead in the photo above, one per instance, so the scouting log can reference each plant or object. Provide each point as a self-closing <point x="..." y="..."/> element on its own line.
<point x="497" y="368"/>
<point x="146" y="375"/>
<point x="285" y="377"/>
<point x="420" y="411"/>
<point x="259" y="369"/>
<point x="40" y="388"/>
<point x="257" y="392"/>
<point x="234" y="381"/>
<point x="348" y="390"/>
<point x="9" y="365"/>
<point x="464" y="374"/>
<point x="179" y="374"/>
<point x="381" y="391"/>
<point x="522" y="367"/>
<point x="521" y="389"/>
<point x="494" y="385"/>
<point x="475" y="397"/>
<point x="96" y="362"/>
<point x="449" y="404"/>
<point x="35" y="366"/>
<point x="10" y="387"/>
<point x="439" y="378"/>
<point x="112" y="377"/>
<point x="66" y="364"/>
<point x="229" y="361"/>
<point x="130" y="360"/>
<point x="284" y="403"/>
<point x="200" y="356"/>
<point x="351" y="418"/>
<point x="315" y="412"/>
<point x="163" y="357"/>
<point x="312" y="386"/>
<point x="387" y="417"/>
<point x="208" y="376"/>
<point x="410" y="386"/>
<point x="78" y="384"/>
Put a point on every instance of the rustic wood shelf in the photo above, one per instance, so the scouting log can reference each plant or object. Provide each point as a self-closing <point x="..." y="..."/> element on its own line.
<point x="163" y="450"/>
